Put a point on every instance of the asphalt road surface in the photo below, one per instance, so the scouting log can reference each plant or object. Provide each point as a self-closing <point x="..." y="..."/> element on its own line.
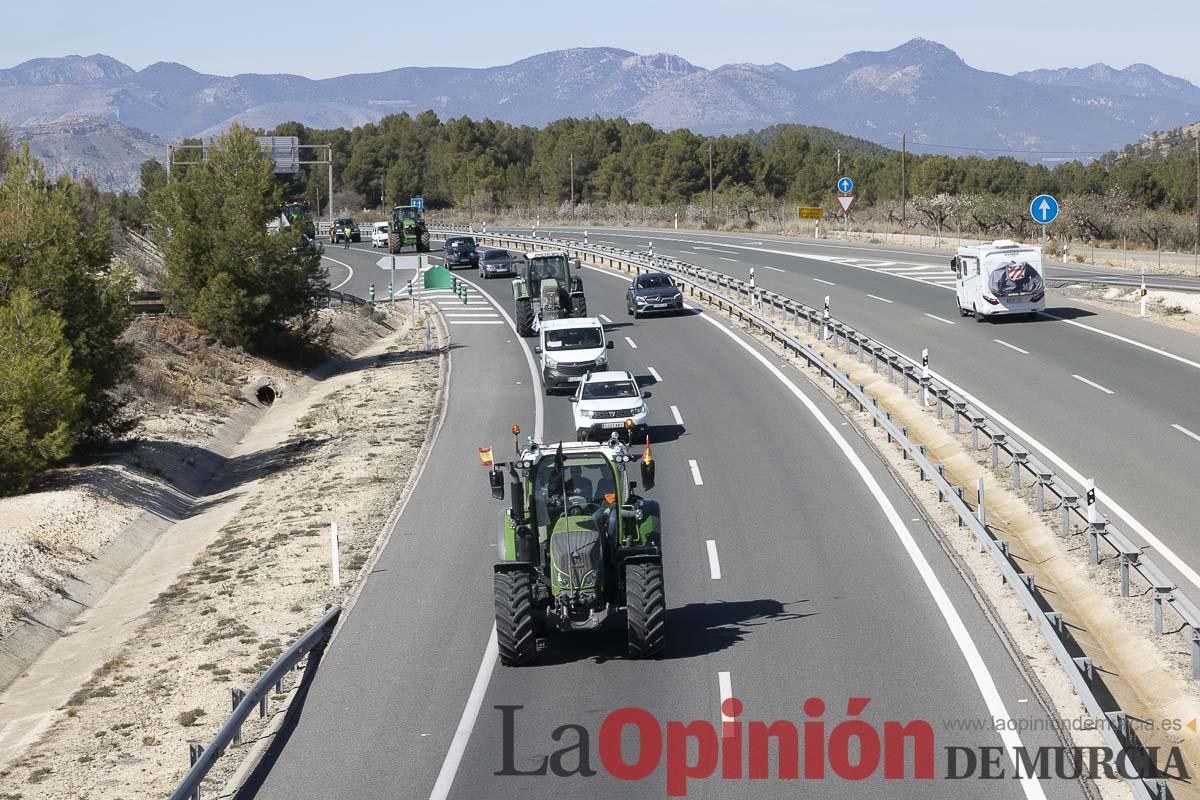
<point x="1109" y="395"/>
<point x="796" y="568"/>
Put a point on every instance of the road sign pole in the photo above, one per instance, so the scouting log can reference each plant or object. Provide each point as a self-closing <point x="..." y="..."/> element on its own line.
<point x="392" y="278"/>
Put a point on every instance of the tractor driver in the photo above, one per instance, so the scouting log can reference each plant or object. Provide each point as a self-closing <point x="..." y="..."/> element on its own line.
<point x="579" y="486"/>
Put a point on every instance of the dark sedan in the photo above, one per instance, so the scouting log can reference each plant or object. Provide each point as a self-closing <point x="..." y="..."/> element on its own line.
<point x="497" y="263"/>
<point x="461" y="251"/>
<point x="654" y="292"/>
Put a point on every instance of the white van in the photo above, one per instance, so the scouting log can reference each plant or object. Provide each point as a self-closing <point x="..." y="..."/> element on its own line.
<point x="379" y="234"/>
<point x="569" y="349"/>
<point x="999" y="279"/>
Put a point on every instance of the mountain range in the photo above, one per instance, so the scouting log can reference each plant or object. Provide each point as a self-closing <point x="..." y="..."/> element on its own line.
<point x="921" y="89"/>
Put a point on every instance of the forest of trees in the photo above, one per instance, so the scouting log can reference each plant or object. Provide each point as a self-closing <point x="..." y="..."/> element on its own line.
<point x="486" y="164"/>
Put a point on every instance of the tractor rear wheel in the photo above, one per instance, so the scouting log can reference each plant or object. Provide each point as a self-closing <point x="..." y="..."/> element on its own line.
<point x="578" y="306"/>
<point x="514" y="618"/>
<point x="645" y="610"/>
<point x="524" y="317"/>
<point x="395" y="243"/>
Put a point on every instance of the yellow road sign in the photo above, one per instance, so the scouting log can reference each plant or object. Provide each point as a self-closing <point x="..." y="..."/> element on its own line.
<point x="807" y="212"/>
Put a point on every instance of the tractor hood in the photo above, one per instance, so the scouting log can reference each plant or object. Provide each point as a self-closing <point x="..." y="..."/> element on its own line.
<point x="576" y="555"/>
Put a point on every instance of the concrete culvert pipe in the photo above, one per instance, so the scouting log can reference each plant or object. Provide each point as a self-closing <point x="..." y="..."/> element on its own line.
<point x="265" y="390"/>
<point x="265" y="394"/>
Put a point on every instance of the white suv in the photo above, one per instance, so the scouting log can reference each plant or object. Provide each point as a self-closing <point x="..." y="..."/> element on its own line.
<point x="607" y="402"/>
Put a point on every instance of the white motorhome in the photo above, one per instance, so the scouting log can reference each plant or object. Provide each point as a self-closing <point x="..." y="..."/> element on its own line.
<point x="999" y="279"/>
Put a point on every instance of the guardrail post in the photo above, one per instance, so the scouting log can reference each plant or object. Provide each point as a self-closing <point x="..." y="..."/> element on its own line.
<point x="1019" y="459"/>
<point x="997" y="442"/>
<point x="905" y="371"/>
<point x="1159" y="596"/>
<point x="875" y="414"/>
<point x="941" y="395"/>
<point x="236" y="696"/>
<point x="1070" y="502"/>
<point x="980" y="510"/>
<point x="921" y="471"/>
<point x="195" y="750"/>
<point x="924" y="381"/>
<point x="1124" y="575"/>
<point x="1095" y="529"/>
<point x="958" y="490"/>
<point x="960" y="408"/>
<point x="1085" y="667"/>
<point x="1043" y="480"/>
<point x="977" y="424"/>
<point x="262" y="706"/>
<point x="874" y="358"/>
<point x="1195" y="655"/>
<point x="1055" y="619"/>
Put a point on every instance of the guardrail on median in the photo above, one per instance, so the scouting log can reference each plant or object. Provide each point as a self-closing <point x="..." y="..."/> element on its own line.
<point x="773" y="314"/>
<point x="311" y="644"/>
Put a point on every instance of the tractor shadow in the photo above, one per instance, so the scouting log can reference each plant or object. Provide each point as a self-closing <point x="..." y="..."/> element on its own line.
<point x="666" y="433"/>
<point x="694" y="630"/>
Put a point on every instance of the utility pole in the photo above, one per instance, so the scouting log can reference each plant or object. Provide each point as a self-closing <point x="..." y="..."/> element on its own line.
<point x="572" y="184"/>
<point x="903" y="183"/>
<point x="710" y="184"/>
<point x="839" y="169"/>
<point x="1197" y="267"/>
<point x="470" y="195"/>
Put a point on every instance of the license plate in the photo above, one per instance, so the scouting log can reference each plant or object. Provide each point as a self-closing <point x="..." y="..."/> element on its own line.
<point x="574" y="378"/>
<point x="613" y="425"/>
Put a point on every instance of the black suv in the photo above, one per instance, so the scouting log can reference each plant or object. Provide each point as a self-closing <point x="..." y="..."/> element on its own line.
<point x="460" y="251"/>
<point x="338" y="232"/>
<point x="652" y="292"/>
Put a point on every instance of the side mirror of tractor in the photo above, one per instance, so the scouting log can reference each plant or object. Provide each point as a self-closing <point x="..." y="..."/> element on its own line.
<point x="647" y="475"/>
<point x="537" y="348"/>
<point x="609" y="345"/>
<point x="954" y="265"/>
<point x="496" y="482"/>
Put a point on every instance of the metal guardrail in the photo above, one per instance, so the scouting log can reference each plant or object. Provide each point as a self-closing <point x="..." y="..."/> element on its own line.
<point x="311" y="644"/>
<point x="773" y="313"/>
<point x="343" y="299"/>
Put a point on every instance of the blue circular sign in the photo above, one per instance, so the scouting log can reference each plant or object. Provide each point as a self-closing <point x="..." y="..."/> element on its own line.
<point x="845" y="185"/>
<point x="1043" y="209"/>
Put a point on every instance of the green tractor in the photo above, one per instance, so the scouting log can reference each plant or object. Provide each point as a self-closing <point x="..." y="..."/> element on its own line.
<point x="576" y="546"/>
<point x="545" y="289"/>
<point x="408" y="228"/>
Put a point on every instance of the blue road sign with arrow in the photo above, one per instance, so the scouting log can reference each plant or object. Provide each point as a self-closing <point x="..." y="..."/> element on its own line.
<point x="1043" y="209"/>
<point x="418" y="203"/>
<point x="845" y="185"/>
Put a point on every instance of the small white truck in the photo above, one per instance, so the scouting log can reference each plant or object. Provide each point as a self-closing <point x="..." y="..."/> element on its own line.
<point x="1001" y="278"/>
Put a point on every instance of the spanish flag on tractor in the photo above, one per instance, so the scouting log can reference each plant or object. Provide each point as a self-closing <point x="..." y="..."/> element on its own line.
<point x="647" y="456"/>
<point x="485" y="455"/>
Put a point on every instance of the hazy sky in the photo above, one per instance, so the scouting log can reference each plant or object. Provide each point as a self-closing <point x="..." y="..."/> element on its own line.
<point x="324" y="39"/>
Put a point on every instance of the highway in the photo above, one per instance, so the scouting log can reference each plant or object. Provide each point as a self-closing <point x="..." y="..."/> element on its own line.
<point x="796" y="568"/>
<point x="1096" y="389"/>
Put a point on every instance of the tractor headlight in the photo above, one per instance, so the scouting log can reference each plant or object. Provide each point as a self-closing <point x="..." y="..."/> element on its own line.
<point x="589" y="581"/>
<point x="564" y="579"/>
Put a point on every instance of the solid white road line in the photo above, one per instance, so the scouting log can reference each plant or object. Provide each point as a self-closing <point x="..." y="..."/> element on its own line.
<point x="1179" y="428"/>
<point x="716" y="249"/>
<point x="654" y="374"/>
<point x="631" y="343"/>
<point x="463" y="313"/>
<point x="340" y="264"/>
<point x="723" y="258"/>
<point x="880" y="299"/>
<point x="476" y="322"/>
<point x="675" y="413"/>
<point x="827" y="283"/>
<point x="1126" y="340"/>
<point x="1010" y="346"/>
<point x="714" y="563"/>
<point x="466" y="723"/>
<point x="1092" y="384"/>
<point x="695" y="472"/>
<point x="725" y="687"/>
<point x="604" y="318"/>
<point x="776" y="269"/>
<point x="958" y="629"/>
<point x="940" y="319"/>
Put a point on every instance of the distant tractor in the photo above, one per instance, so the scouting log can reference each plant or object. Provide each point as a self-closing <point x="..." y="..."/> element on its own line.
<point x="545" y="289"/>
<point x="408" y="228"/>
<point x="577" y="546"/>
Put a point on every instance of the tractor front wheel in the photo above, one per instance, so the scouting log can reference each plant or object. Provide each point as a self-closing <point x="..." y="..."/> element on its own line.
<point x="423" y="242"/>
<point x="645" y="610"/>
<point x="578" y="306"/>
<point x="524" y="317"/>
<point x="514" y="618"/>
<point x="395" y="243"/>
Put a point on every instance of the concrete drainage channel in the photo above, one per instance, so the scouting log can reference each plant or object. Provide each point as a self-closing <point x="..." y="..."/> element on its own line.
<point x="772" y="315"/>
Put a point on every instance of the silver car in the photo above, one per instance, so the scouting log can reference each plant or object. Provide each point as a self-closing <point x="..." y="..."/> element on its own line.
<point x="497" y="263"/>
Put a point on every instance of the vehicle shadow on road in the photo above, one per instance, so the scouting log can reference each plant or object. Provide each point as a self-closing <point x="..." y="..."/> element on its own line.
<point x="666" y="433"/>
<point x="1065" y="312"/>
<point x="693" y="630"/>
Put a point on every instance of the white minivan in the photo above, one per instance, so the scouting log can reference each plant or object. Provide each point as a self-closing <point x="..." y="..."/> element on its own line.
<point x="379" y="234"/>
<point x="1002" y="278"/>
<point x="569" y="349"/>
